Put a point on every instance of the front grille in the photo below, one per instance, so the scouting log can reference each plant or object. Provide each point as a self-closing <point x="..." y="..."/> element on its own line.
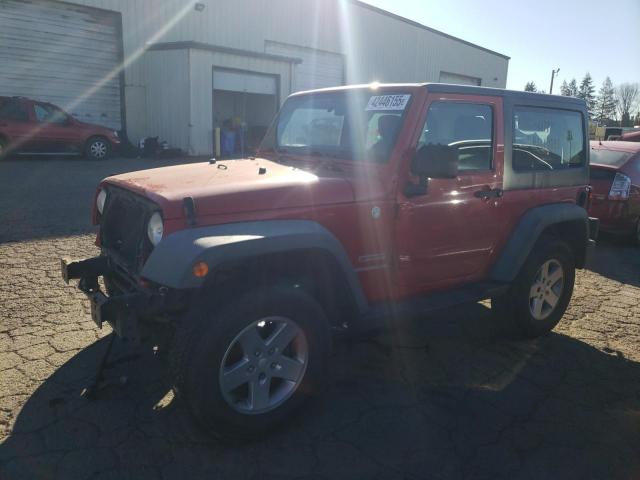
<point x="123" y="228"/>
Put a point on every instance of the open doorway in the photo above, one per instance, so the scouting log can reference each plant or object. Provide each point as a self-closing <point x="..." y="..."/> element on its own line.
<point x="244" y="103"/>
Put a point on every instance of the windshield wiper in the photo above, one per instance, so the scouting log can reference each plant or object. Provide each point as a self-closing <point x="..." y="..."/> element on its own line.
<point x="284" y="155"/>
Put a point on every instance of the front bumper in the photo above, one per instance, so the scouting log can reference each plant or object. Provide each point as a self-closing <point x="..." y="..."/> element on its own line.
<point x="125" y="311"/>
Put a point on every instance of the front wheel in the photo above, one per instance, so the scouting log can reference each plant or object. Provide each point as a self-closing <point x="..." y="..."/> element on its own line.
<point x="98" y="148"/>
<point x="248" y="366"/>
<point x="540" y="294"/>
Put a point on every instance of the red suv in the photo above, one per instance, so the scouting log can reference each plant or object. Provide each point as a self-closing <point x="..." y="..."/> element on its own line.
<point x="363" y="203"/>
<point x="29" y="127"/>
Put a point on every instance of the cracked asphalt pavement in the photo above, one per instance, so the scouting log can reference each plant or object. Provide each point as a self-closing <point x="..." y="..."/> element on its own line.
<point x="438" y="397"/>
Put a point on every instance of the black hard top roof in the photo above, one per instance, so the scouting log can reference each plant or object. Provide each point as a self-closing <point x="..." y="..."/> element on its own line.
<point x="515" y="95"/>
<point x="498" y="92"/>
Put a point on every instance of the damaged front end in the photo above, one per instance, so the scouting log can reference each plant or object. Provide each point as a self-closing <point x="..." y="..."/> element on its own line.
<point x="131" y="311"/>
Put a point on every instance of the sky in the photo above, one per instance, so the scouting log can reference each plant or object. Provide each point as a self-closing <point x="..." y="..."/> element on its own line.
<point x="577" y="36"/>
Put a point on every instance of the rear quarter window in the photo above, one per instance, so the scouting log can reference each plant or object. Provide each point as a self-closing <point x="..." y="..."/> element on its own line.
<point x="546" y="139"/>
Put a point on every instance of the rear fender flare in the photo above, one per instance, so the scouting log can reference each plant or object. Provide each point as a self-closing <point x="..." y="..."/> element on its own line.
<point x="529" y="229"/>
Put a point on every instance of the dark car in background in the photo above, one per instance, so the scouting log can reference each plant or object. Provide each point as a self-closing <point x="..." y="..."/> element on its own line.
<point x="31" y="127"/>
<point x="615" y="179"/>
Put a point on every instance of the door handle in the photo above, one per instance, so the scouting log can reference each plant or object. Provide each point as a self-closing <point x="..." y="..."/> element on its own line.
<point x="491" y="193"/>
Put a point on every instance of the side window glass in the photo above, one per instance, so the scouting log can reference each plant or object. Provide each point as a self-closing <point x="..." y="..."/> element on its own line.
<point x="11" y="109"/>
<point x="547" y="139"/>
<point x="381" y="131"/>
<point x="57" y="116"/>
<point x="468" y="127"/>
<point x="42" y="113"/>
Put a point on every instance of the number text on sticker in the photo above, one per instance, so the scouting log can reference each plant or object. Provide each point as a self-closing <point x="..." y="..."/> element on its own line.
<point x="388" y="102"/>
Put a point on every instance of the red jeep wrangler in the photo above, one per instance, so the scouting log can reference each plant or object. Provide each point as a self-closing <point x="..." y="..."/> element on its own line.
<point x="363" y="203"/>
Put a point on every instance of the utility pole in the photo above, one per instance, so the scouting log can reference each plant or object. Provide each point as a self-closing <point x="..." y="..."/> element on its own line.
<point x="553" y="74"/>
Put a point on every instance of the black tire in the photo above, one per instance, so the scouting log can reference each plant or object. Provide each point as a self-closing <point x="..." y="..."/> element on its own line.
<point x="98" y="148"/>
<point x="514" y="309"/>
<point x="3" y="149"/>
<point x="203" y="339"/>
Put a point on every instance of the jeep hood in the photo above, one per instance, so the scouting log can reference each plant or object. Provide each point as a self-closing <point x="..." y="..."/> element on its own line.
<point x="234" y="186"/>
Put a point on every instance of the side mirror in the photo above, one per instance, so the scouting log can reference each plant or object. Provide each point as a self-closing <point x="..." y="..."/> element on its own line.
<point x="435" y="161"/>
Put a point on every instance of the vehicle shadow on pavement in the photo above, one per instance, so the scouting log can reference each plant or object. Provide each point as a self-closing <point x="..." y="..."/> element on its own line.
<point x="617" y="259"/>
<point x="438" y="397"/>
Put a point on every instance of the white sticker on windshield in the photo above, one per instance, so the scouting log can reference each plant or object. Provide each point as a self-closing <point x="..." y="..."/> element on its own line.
<point x="388" y="102"/>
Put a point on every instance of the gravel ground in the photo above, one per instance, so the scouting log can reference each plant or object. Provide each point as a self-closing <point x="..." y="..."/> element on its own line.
<point x="440" y="397"/>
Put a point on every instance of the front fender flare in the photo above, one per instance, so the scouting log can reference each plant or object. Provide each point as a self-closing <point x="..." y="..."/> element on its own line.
<point x="171" y="262"/>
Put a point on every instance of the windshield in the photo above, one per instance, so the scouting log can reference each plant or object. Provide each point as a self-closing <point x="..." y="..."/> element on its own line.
<point x="358" y="126"/>
<point x="610" y="157"/>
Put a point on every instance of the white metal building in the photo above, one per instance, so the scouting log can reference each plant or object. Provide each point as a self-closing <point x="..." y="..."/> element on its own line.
<point x="180" y="68"/>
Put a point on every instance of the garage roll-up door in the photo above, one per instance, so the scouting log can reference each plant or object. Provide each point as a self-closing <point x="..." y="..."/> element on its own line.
<point x="63" y="54"/>
<point x="244" y="82"/>
<point x="318" y="69"/>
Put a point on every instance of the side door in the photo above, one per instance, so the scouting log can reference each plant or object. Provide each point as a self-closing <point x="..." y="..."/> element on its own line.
<point x="55" y="132"/>
<point x="447" y="235"/>
<point x="15" y="124"/>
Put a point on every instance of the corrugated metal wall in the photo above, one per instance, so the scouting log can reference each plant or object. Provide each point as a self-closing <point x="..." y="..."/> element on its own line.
<point x="168" y="96"/>
<point x="318" y="69"/>
<point x="63" y="54"/>
<point x="388" y="49"/>
<point x="375" y="46"/>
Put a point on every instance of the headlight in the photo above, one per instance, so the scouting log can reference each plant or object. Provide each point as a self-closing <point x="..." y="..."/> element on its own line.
<point x="100" y="200"/>
<point x="155" y="229"/>
<point x="115" y="134"/>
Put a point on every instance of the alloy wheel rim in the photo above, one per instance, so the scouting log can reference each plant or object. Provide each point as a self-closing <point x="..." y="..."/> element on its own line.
<point x="546" y="290"/>
<point x="98" y="149"/>
<point x="263" y="365"/>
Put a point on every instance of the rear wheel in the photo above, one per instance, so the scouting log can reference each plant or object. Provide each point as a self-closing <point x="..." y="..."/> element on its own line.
<point x="246" y="367"/>
<point x="3" y="148"/>
<point x="98" y="148"/>
<point x="540" y="294"/>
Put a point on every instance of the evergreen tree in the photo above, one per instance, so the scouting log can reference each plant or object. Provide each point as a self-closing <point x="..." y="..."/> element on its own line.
<point x="573" y="88"/>
<point x="587" y="93"/>
<point x="530" y="87"/>
<point x="605" y="106"/>
<point x="564" y="89"/>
